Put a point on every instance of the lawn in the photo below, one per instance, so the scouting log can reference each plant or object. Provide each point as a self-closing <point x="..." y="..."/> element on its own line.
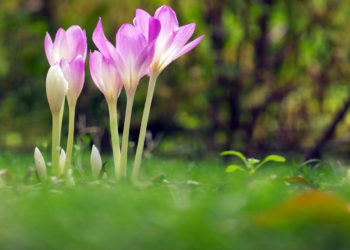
<point x="182" y="204"/>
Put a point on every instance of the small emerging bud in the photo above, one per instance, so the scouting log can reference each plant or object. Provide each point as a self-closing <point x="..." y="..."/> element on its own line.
<point x="62" y="162"/>
<point x="70" y="179"/>
<point x="56" y="88"/>
<point x="96" y="162"/>
<point x="40" y="164"/>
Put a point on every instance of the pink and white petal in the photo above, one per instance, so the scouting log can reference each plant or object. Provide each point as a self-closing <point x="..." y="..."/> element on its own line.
<point x="64" y="64"/>
<point x="77" y="75"/>
<point x="76" y="42"/>
<point x="141" y="21"/>
<point x="189" y="46"/>
<point x="144" y="61"/>
<point x="129" y="42"/>
<point x="168" y="20"/>
<point x="49" y="49"/>
<point x="60" y="34"/>
<point x="145" y="58"/>
<point x="85" y="43"/>
<point x="119" y="63"/>
<point x="95" y="65"/>
<point x="100" y="40"/>
<point x="167" y="16"/>
<point x="73" y="38"/>
<point x="164" y="48"/>
<point x="183" y="34"/>
<point x="81" y="47"/>
<point x="60" y="40"/>
<point x="153" y="29"/>
<point x="111" y="79"/>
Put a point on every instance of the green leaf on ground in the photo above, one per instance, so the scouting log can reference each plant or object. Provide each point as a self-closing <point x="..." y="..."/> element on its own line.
<point x="234" y="168"/>
<point x="236" y="153"/>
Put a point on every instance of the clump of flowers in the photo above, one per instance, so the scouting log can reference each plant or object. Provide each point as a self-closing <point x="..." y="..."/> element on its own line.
<point x="143" y="48"/>
<point x="65" y="78"/>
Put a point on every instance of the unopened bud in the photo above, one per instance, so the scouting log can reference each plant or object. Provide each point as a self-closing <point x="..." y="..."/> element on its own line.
<point x="62" y="162"/>
<point x="56" y="88"/>
<point x="96" y="162"/>
<point x="70" y="179"/>
<point x="40" y="164"/>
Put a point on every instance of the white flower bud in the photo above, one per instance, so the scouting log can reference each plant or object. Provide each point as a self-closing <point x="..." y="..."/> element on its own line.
<point x="62" y="162"/>
<point x="56" y="88"/>
<point x="96" y="162"/>
<point x="40" y="164"/>
<point x="70" y="179"/>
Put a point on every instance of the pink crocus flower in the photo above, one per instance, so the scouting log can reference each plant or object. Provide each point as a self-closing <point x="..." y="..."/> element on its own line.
<point x="132" y="56"/>
<point x="74" y="73"/>
<point x="107" y="79"/>
<point x="106" y="76"/>
<point x="169" y="45"/>
<point x="69" y="49"/>
<point x="172" y="39"/>
<point x="68" y="44"/>
<point x="68" y="52"/>
<point x="133" y="52"/>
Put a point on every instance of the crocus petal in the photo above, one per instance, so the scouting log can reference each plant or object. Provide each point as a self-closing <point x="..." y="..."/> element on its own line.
<point x="189" y="46"/>
<point x="167" y="52"/>
<point x="101" y="42"/>
<point x="67" y="45"/>
<point x="105" y="76"/>
<point x="141" y="21"/>
<point x="75" y="43"/>
<point x="168" y="20"/>
<point x="146" y="57"/>
<point x="74" y="74"/>
<point x="144" y="60"/>
<point x="110" y="78"/>
<point x="154" y="29"/>
<point x="130" y="46"/>
<point x="60" y="35"/>
<point x="183" y="34"/>
<point x="49" y="49"/>
<point x="84" y="45"/>
<point x="95" y="63"/>
<point x="60" y="40"/>
<point x="167" y="17"/>
<point x="130" y="42"/>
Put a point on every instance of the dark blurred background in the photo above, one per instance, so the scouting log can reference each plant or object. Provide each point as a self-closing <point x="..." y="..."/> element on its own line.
<point x="269" y="76"/>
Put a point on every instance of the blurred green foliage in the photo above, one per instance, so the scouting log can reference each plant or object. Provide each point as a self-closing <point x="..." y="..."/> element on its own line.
<point x="270" y="74"/>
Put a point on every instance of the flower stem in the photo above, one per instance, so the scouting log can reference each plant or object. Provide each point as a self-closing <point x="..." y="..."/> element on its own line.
<point x="70" y="140"/>
<point x="142" y="135"/>
<point x="126" y="129"/>
<point x="60" y="122"/>
<point x="112" y="107"/>
<point x="55" y="142"/>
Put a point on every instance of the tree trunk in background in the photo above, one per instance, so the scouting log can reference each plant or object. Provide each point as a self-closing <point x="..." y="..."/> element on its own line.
<point x="47" y="12"/>
<point x="261" y="67"/>
<point x="214" y="19"/>
<point x="262" y="43"/>
<point x="316" y="152"/>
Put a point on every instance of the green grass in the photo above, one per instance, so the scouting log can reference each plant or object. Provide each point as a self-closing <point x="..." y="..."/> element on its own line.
<point x="190" y="205"/>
